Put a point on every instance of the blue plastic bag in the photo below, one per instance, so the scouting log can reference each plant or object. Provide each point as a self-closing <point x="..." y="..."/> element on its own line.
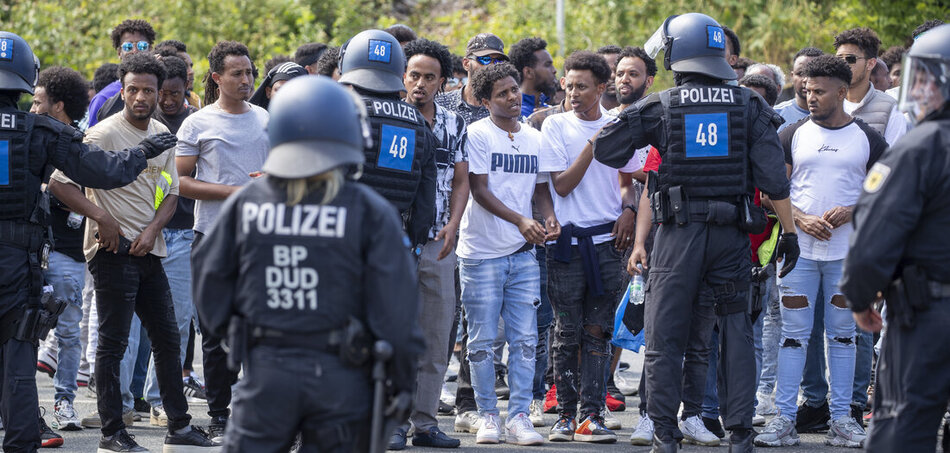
<point x="623" y="337"/>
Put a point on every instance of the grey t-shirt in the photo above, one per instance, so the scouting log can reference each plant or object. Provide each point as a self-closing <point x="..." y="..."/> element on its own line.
<point x="228" y="146"/>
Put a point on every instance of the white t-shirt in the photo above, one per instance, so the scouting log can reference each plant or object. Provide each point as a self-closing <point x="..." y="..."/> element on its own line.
<point x="512" y="169"/>
<point x="828" y="170"/>
<point x="596" y="199"/>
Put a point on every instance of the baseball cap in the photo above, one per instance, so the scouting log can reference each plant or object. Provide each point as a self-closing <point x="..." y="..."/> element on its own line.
<point x="484" y="44"/>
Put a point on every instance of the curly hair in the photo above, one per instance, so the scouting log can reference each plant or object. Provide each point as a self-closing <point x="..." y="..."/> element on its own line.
<point x="402" y="33"/>
<point x="522" y="52"/>
<point x="309" y="53"/>
<point x="329" y="61"/>
<point x="431" y="49"/>
<point x="175" y="68"/>
<point x="173" y="43"/>
<point x="457" y="66"/>
<point x="862" y="37"/>
<point x="595" y="63"/>
<point x="68" y="86"/>
<point x="638" y="52"/>
<point x="216" y="57"/>
<point x="105" y="74"/>
<point x="808" y="52"/>
<point x="141" y="63"/>
<point x="276" y="61"/>
<point x="132" y="26"/>
<point x="893" y="55"/>
<point x="923" y="28"/>
<point x="483" y="81"/>
<point x="763" y="82"/>
<point x="828" y="66"/>
<point x="609" y="49"/>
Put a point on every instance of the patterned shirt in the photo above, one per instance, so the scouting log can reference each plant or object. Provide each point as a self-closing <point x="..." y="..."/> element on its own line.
<point x="449" y="129"/>
<point x="453" y="101"/>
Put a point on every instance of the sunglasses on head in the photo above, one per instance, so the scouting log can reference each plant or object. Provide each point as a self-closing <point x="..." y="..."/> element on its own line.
<point x="850" y="59"/>
<point x="487" y="60"/>
<point x="142" y="46"/>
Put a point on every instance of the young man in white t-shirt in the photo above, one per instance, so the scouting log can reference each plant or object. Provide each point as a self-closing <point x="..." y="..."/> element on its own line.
<point x="827" y="155"/>
<point x="497" y="268"/>
<point x="584" y="266"/>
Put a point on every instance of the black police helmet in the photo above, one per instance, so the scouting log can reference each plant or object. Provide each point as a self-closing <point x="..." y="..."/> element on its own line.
<point x="18" y="66"/>
<point x="315" y="125"/>
<point x="373" y="60"/>
<point x="696" y="43"/>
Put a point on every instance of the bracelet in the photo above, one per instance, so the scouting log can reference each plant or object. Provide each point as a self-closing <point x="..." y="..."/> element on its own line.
<point x="590" y="142"/>
<point x="631" y="208"/>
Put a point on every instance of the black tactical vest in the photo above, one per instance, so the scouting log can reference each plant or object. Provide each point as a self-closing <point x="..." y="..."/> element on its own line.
<point x="394" y="161"/>
<point x="19" y="186"/>
<point x="707" y="152"/>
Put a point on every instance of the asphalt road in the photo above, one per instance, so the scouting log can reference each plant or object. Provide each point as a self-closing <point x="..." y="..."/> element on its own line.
<point x="151" y="437"/>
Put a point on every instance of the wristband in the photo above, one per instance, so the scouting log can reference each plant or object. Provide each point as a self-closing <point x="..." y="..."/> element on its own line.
<point x="631" y="207"/>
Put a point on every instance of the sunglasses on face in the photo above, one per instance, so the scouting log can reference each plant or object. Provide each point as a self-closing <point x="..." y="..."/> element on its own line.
<point x="850" y="59"/>
<point x="142" y="46"/>
<point x="487" y="60"/>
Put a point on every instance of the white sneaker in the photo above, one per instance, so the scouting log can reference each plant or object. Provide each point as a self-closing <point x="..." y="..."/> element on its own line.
<point x="488" y="432"/>
<point x="610" y="422"/>
<point x="780" y="432"/>
<point x="695" y="432"/>
<point x="845" y="431"/>
<point x="447" y="397"/>
<point x="758" y="420"/>
<point x="64" y="416"/>
<point x="643" y="433"/>
<point x="765" y="405"/>
<point x="467" y="422"/>
<point x="626" y="385"/>
<point x="520" y="431"/>
<point x="157" y="416"/>
<point x="536" y="412"/>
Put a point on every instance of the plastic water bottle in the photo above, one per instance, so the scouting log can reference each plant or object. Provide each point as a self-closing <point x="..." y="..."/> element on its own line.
<point x="74" y="220"/>
<point x="636" y="288"/>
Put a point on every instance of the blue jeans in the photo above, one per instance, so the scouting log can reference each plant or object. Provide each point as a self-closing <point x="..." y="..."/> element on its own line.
<point x="178" y="269"/>
<point x="862" y="368"/>
<point x="127" y="365"/>
<point x="545" y="319"/>
<point x="67" y="276"/>
<point x="771" y="334"/>
<point x="806" y="280"/>
<point x="508" y="287"/>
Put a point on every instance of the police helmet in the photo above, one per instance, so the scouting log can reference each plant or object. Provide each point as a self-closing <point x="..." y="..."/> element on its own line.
<point x="315" y="125"/>
<point x="18" y="66"/>
<point x="373" y="60"/>
<point x="692" y="42"/>
<point x="925" y="84"/>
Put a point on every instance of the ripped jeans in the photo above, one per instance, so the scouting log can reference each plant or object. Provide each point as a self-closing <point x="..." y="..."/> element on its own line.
<point x="509" y="287"/>
<point x="798" y="291"/>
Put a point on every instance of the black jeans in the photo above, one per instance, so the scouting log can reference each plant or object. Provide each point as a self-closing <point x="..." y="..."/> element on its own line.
<point x="218" y="378"/>
<point x="125" y="284"/>
<point x="576" y="311"/>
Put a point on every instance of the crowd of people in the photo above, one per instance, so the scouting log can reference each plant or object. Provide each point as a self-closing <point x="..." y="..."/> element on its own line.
<point x="527" y="196"/>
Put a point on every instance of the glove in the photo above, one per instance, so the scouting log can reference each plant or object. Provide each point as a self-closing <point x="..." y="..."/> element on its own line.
<point x="153" y="145"/>
<point x="788" y="250"/>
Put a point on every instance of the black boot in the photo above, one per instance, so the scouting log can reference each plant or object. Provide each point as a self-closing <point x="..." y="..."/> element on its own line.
<point x="741" y="441"/>
<point x="664" y="446"/>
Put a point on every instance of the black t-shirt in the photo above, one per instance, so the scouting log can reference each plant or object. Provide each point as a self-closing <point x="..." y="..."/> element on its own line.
<point x="184" y="218"/>
<point x="66" y="240"/>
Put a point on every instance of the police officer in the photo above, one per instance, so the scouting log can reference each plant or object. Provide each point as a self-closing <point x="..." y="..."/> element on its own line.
<point x="899" y="249"/>
<point x="29" y="145"/>
<point x="312" y="267"/>
<point x="717" y="142"/>
<point x="400" y="162"/>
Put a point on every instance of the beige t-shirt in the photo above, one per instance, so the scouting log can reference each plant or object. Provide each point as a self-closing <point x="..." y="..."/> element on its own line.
<point x="133" y="206"/>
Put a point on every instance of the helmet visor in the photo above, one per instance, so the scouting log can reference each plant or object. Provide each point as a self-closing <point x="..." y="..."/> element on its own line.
<point x="657" y="42"/>
<point x="924" y="86"/>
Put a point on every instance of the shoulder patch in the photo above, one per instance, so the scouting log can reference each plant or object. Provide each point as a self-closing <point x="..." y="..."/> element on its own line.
<point x="876" y="177"/>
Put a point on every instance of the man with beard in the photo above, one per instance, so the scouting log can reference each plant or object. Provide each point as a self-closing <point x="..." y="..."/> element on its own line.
<point x="124" y="246"/>
<point x="538" y="75"/>
<point x="429" y="64"/>
<point x="222" y="145"/>
<point x="611" y="53"/>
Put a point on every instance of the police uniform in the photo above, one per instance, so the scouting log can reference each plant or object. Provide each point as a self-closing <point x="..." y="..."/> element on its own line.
<point x="293" y="284"/>
<point x="400" y="159"/>
<point x="29" y="145"/>
<point x="717" y="143"/>
<point x="899" y="247"/>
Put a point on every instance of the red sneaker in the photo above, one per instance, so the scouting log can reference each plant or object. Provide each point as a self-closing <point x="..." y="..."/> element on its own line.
<point x="615" y="405"/>
<point x="550" y="401"/>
